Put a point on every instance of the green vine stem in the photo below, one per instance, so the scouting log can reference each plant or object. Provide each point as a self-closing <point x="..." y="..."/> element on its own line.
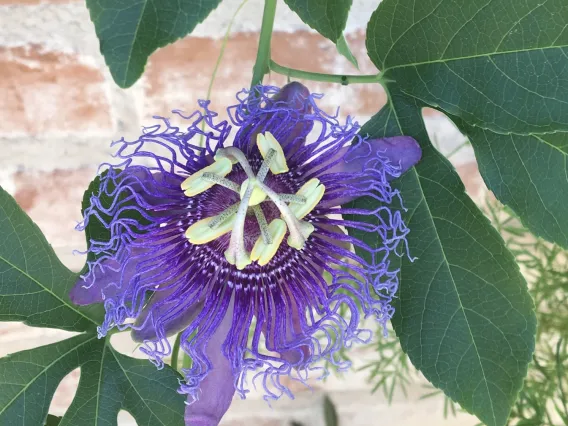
<point x="175" y="352"/>
<point x="218" y="62"/>
<point x="343" y="79"/>
<point x="186" y="361"/>
<point x="264" y="64"/>
<point x="261" y="65"/>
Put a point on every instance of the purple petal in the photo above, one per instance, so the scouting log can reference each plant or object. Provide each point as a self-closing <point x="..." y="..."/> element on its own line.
<point x="302" y="353"/>
<point x="283" y="115"/>
<point x="293" y="95"/>
<point x="389" y="157"/>
<point x="402" y="152"/>
<point x="157" y="309"/>
<point x="217" y="388"/>
<point x="95" y="288"/>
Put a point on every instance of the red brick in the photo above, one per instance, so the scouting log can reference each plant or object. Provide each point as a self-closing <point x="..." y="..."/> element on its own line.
<point x="431" y="112"/>
<point x="179" y="74"/>
<point x="65" y="393"/>
<point x="53" y="201"/>
<point x="46" y="93"/>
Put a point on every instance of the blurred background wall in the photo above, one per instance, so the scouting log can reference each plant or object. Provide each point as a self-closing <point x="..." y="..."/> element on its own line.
<point x="59" y="111"/>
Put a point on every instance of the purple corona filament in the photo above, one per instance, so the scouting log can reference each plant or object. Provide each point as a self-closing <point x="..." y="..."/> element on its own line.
<point x="279" y="319"/>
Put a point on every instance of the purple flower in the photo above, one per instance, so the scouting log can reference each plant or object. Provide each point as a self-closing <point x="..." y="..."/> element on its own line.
<point x="246" y="248"/>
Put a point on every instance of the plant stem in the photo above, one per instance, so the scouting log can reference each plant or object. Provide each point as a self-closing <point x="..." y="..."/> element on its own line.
<point x="261" y="65"/>
<point x="175" y="352"/>
<point x="186" y="361"/>
<point x="343" y="79"/>
<point x="219" y="58"/>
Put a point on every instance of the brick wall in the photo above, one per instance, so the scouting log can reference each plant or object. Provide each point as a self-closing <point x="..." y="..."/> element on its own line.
<point x="59" y="111"/>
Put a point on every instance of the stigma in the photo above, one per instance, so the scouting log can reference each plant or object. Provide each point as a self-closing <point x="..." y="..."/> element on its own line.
<point x="252" y="193"/>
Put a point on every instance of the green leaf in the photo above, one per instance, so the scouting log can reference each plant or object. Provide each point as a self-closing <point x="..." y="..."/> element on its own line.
<point x="343" y="49"/>
<point x="329" y="412"/>
<point x="114" y="381"/>
<point x="52" y="420"/>
<point x="529" y="173"/>
<point x="34" y="284"/>
<point x="109" y="382"/>
<point x="497" y="64"/>
<point x="463" y="313"/>
<point x="327" y="17"/>
<point x="28" y="379"/>
<point x="129" y="31"/>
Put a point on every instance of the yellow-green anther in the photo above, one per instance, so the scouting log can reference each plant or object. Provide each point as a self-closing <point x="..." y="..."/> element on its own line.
<point x="235" y="155"/>
<point x="221" y="217"/>
<point x="258" y="195"/>
<point x="236" y="254"/>
<point x="195" y="184"/>
<point x="219" y="180"/>
<point x="313" y="192"/>
<point x="299" y="230"/>
<point x="263" y="252"/>
<point x="265" y="143"/>
<point x="263" y="224"/>
<point x="202" y="233"/>
<point x="296" y="241"/>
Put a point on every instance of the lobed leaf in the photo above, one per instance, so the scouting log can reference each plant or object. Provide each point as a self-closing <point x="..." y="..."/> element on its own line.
<point x="129" y="31"/>
<point x="528" y="173"/>
<point x="34" y="284"/>
<point x="33" y="288"/>
<point x="113" y="381"/>
<point x="463" y="313"/>
<point x="344" y="49"/>
<point x="498" y="64"/>
<point x="327" y="17"/>
<point x="109" y="382"/>
<point x="28" y="379"/>
<point x="52" y="420"/>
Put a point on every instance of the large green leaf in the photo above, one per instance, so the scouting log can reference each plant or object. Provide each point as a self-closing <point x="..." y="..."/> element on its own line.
<point x="28" y="379"/>
<point x="109" y="382"/>
<point x="112" y="382"/>
<point x="327" y="17"/>
<point x="529" y="173"/>
<point x="463" y="313"/>
<point x="344" y="49"/>
<point x="52" y="420"/>
<point x="131" y="30"/>
<point x="498" y="64"/>
<point x="33" y="288"/>
<point x="34" y="284"/>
